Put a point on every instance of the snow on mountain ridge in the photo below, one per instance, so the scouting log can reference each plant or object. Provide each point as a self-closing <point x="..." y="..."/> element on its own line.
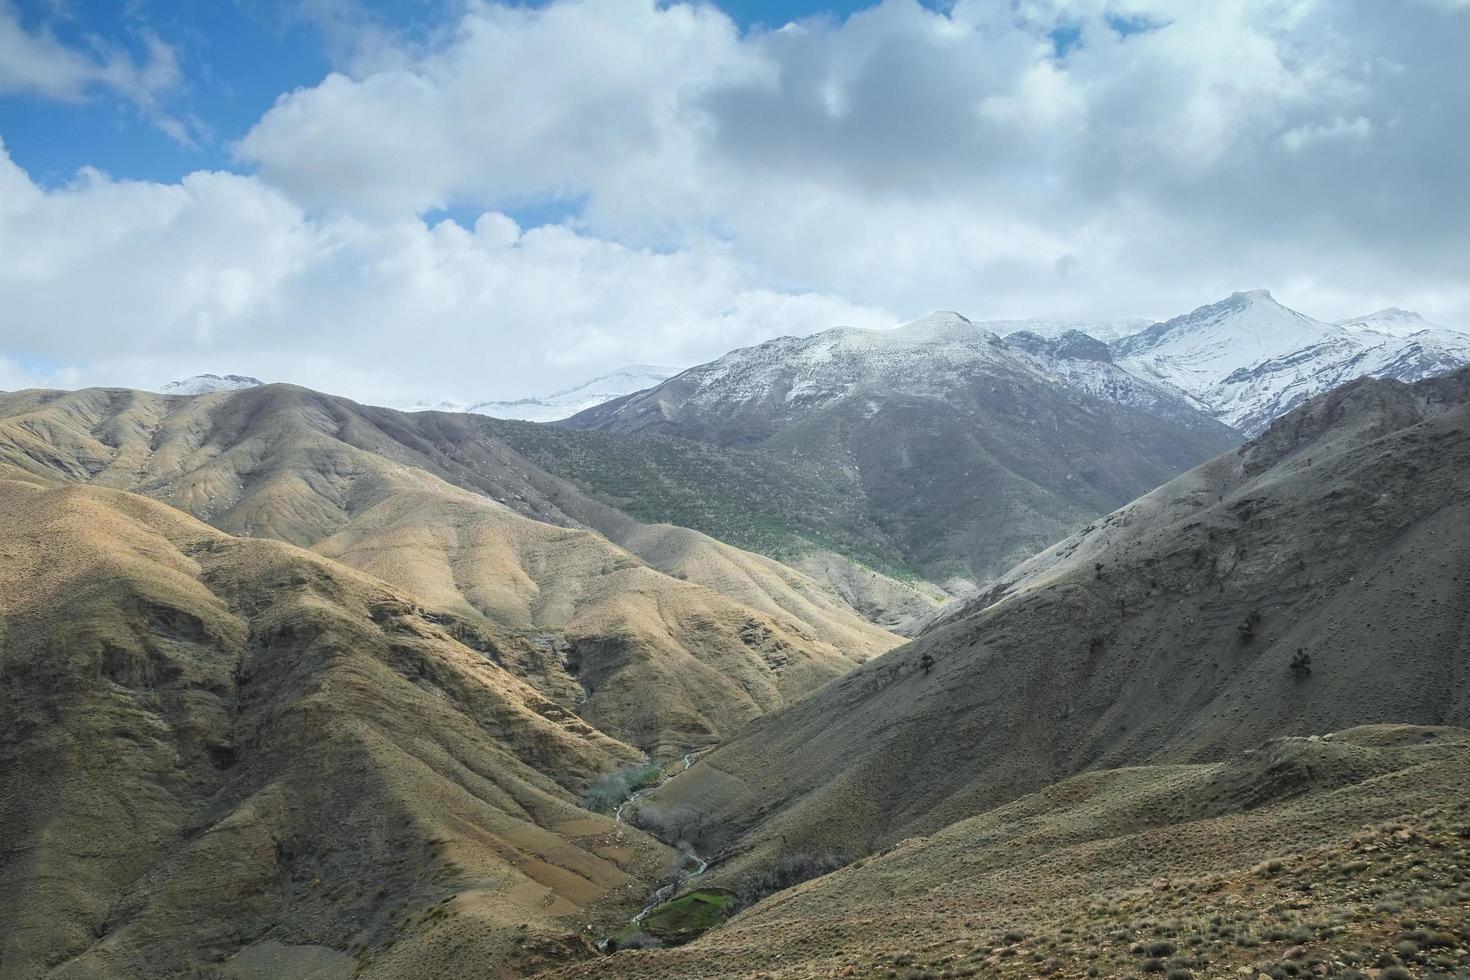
<point x="918" y="357"/>
<point x="1250" y="359"/>
<point x="203" y="384"/>
<point x="1245" y="359"/>
<point x="560" y="404"/>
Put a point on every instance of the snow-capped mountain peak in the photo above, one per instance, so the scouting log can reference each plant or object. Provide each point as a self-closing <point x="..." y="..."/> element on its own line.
<point x="1250" y="359"/>
<point x="203" y="384"/>
<point x="1241" y="329"/>
<point x="942" y="358"/>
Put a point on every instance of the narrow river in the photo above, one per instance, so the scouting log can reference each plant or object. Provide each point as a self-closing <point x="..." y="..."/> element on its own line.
<point x="682" y="876"/>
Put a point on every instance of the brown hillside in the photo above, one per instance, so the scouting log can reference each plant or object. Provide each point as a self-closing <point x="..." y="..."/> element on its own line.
<point x="1342" y="856"/>
<point x="217" y="752"/>
<point x="667" y="664"/>
<point x="656" y="658"/>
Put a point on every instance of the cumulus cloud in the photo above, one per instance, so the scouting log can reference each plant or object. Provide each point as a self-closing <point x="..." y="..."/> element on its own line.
<point x="521" y="103"/>
<point x="224" y="272"/>
<point x="907" y="157"/>
<point x="1032" y="157"/>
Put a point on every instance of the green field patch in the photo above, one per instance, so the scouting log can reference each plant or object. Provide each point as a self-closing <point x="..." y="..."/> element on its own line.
<point x="682" y="919"/>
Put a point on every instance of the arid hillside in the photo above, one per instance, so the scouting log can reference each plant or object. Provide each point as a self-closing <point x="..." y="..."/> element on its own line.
<point x="1317" y="579"/>
<point x="671" y="653"/>
<point x="667" y="664"/>
<point x="1339" y="855"/>
<point x="221" y="754"/>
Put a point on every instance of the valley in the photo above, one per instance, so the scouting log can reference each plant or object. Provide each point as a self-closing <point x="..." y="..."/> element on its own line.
<point x="781" y="668"/>
<point x="714" y="490"/>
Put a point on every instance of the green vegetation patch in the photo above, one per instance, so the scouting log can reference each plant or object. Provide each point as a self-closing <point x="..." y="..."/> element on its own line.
<point x="682" y="919"/>
<point x="776" y="504"/>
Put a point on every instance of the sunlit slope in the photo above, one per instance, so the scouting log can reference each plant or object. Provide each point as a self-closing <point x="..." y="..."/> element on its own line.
<point x="671" y="661"/>
<point x="207" y="742"/>
<point x="668" y="664"/>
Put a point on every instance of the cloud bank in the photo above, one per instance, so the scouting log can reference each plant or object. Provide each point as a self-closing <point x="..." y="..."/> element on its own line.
<point x="1045" y="157"/>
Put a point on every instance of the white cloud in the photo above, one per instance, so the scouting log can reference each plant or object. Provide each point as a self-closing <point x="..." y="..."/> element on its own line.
<point x="223" y="272"/>
<point x="524" y="102"/>
<point x="905" y="154"/>
<point x="35" y="62"/>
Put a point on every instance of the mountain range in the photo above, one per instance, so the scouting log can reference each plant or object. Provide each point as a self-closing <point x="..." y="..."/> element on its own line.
<point x="436" y="505"/>
<point x="292" y="686"/>
<point x="966" y="453"/>
<point x="1312" y="581"/>
<point x="1163" y="631"/>
<point x="1243" y="360"/>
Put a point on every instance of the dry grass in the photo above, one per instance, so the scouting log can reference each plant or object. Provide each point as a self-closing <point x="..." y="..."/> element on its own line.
<point x="669" y="640"/>
<point x="209" y="742"/>
<point x="1107" y="875"/>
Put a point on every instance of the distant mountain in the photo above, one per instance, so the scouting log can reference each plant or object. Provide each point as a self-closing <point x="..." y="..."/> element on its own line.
<point x="1083" y="362"/>
<point x="966" y="452"/>
<point x="1249" y="359"/>
<point x="203" y="384"/>
<point x="561" y="404"/>
<point x="1392" y="321"/>
<point x="1105" y="330"/>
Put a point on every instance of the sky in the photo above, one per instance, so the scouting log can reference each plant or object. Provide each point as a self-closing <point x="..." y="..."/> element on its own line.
<point x="475" y="200"/>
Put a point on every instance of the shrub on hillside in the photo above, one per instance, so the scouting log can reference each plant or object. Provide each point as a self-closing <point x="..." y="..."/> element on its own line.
<point x="671" y="824"/>
<point x="611" y="789"/>
<point x="786" y="873"/>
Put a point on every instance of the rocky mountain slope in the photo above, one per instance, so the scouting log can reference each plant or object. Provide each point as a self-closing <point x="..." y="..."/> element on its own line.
<point x="1249" y="359"/>
<point x="966" y="453"/>
<point x="649" y="648"/>
<point x="1312" y="580"/>
<point x="232" y="757"/>
<point x="1083" y="362"/>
